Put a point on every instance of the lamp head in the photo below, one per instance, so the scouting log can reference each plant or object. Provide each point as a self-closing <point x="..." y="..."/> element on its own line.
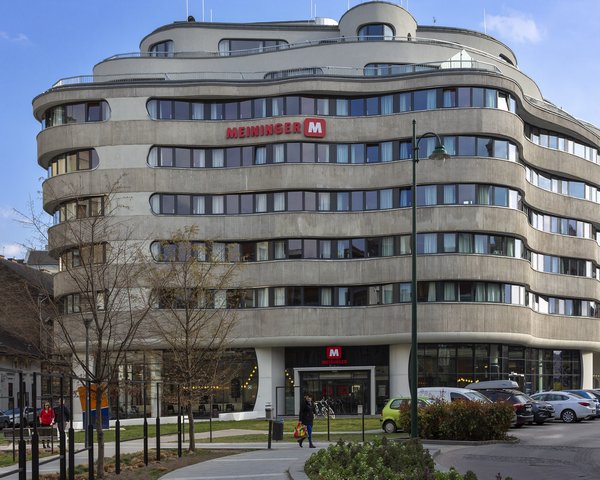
<point x="439" y="152"/>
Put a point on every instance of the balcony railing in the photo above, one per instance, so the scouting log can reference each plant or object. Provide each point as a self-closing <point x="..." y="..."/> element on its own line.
<point x="331" y="71"/>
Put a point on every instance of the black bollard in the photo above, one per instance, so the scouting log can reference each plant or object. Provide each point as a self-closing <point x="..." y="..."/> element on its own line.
<point x="71" y="435"/>
<point x="157" y="422"/>
<point x="90" y="430"/>
<point x="35" y="439"/>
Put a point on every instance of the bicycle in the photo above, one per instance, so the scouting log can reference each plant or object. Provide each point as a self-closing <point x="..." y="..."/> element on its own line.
<point x="323" y="409"/>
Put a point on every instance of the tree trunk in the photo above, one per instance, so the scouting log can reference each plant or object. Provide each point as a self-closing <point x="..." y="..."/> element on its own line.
<point x="99" y="433"/>
<point x="192" y="446"/>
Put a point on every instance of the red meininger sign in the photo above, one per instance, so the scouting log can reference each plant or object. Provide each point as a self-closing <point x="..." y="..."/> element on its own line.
<point x="311" y="127"/>
<point x="334" y="356"/>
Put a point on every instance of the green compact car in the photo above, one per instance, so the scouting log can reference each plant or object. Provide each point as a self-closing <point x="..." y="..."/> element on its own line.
<point x="390" y="415"/>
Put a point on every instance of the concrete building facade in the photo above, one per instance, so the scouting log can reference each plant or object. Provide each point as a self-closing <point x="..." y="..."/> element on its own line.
<point x="289" y="144"/>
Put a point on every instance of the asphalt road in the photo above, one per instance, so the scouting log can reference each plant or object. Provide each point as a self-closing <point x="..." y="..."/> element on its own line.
<point x="553" y="451"/>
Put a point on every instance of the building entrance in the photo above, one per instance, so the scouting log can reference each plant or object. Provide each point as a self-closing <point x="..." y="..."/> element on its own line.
<point x="343" y="389"/>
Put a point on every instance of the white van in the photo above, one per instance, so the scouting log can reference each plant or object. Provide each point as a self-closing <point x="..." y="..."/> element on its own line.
<point x="451" y="394"/>
<point x="494" y="385"/>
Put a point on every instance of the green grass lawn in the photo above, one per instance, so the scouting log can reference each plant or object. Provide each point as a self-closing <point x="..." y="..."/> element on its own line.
<point x="346" y="424"/>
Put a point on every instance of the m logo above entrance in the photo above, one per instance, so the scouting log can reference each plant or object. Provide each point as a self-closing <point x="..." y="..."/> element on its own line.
<point x="334" y="353"/>
<point x="315" y="127"/>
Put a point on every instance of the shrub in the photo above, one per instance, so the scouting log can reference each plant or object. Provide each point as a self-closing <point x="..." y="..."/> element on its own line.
<point x="461" y="420"/>
<point x="377" y="460"/>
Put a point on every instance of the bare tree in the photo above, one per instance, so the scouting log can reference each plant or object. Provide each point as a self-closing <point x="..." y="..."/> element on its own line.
<point x="194" y="290"/>
<point x="103" y="299"/>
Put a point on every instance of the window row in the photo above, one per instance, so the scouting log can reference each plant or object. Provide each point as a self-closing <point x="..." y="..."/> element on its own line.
<point x="334" y="201"/>
<point x="369" y="247"/>
<point x="308" y="152"/>
<point x="73" y="162"/>
<point x="556" y="141"/>
<point x="563" y="226"/>
<point x="461" y="97"/>
<point x="563" y="186"/>
<point x="82" y="303"/>
<point x="375" y="31"/>
<point x="84" y="255"/>
<point x="76" y="113"/>
<point x="78" y="209"/>
<point x="241" y="46"/>
<point x="368" y="295"/>
<point x="162" y="49"/>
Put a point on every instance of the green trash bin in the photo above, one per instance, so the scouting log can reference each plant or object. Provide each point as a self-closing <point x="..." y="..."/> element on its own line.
<point x="278" y="429"/>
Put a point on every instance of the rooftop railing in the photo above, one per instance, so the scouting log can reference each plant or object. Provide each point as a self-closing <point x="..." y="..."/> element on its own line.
<point x="333" y="71"/>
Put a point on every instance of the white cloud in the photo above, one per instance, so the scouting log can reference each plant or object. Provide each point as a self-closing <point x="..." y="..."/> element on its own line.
<point x="517" y="27"/>
<point x="19" y="38"/>
<point x="12" y="250"/>
<point x="7" y="214"/>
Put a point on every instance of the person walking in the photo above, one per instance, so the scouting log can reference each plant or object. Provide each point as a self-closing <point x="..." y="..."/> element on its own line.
<point x="46" y="420"/>
<point x="306" y="417"/>
<point x="63" y="415"/>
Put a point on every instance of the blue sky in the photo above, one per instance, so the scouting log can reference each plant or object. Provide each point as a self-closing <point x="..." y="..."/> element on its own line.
<point x="41" y="41"/>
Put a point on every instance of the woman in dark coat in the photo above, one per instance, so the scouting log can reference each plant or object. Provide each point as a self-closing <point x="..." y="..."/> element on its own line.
<point x="307" y="416"/>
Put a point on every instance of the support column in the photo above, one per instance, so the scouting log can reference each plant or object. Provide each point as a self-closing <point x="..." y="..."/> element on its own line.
<point x="399" y="359"/>
<point x="154" y="362"/>
<point x="587" y="370"/>
<point x="271" y="366"/>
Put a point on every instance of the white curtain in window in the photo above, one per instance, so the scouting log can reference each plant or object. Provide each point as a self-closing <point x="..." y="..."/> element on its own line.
<point x="260" y="155"/>
<point x="493" y="292"/>
<point x="218" y="252"/>
<point x="430" y="195"/>
<point x="260" y="107"/>
<point x="199" y="158"/>
<point x="197" y="111"/>
<point x="405" y="247"/>
<point x="430" y="243"/>
<point x="385" y="198"/>
<point x="464" y="243"/>
<point x="198" y="205"/>
<point x="326" y="296"/>
<point x="480" y="292"/>
<point x="481" y="243"/>
<point x="405" y="292"/>
<point x="262" y="297"/>
<point x="155" y="203"/>
<point x="218" y="204"/>
<point x="260" y="202"/>
<point x="387" y="246"/>
<point x="153" y="157"/>
<point x="324" y="201"/>
<point x="449" y="194"/>
<point x="449" y="292"/>
<point x="325" y="249"/>
<point x="152" y="108"/>
<point x="279" y="296"/>
<point x="387" y="105"/>
<point x="279" y="201"/>
<point x="405" y="104"/>
<point x="431" y="99"/>
<point x="483" y="194"/>
<point x="262" y="251"/>
<point x="278" y="153"/>
<point x="431" y="297"/>
<point x="387" y="152"/>
<point x="279" y="249"/>
<point x="218" y="156"/>
<point x="342" y="154"/>
<point x="275" y="103"/>
<point x="341" y="107"/>
<point x="387" y="294"/>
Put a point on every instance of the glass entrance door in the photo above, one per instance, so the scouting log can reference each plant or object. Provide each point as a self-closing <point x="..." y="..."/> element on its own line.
<point x="343" y="390"/>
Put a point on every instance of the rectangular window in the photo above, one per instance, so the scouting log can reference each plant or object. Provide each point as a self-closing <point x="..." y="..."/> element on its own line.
<point x="218" y="204"/>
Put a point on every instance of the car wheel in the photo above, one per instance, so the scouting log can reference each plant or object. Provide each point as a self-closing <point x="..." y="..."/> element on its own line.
<point x="389" y="427"/>
<point x="568" y="416"/>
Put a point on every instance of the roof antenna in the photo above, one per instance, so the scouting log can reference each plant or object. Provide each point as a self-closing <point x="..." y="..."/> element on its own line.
<point x="203" y="11"/>
<point x="484" y="23"/>
<point x="187" y="8"/>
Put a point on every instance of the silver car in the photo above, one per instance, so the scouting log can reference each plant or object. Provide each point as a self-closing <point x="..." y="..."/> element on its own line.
<point x="569" y="407"/>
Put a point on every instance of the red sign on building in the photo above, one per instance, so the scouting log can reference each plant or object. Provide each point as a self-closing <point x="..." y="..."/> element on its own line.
<point x="334" y="356"/>
<point x="311" y="127"/>
<point x="334" y="352"/>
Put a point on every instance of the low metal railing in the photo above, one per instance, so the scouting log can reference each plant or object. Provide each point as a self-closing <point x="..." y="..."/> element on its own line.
<point x="333" y="71"/>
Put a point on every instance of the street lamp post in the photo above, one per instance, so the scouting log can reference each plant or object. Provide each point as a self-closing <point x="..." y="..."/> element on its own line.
<point x="86" y="322"/>
<point x="439" y="153"/>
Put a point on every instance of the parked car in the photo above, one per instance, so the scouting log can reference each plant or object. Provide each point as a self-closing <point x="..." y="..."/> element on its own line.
<point x="14" y="416"/>
<point x="589" y="395"/>
<point x="390" y="415"/>
<point x="451" y="394"/>
<point x="4" y="420"/>
<point x="569" y="407"/>
<point x="507" y="390"/>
